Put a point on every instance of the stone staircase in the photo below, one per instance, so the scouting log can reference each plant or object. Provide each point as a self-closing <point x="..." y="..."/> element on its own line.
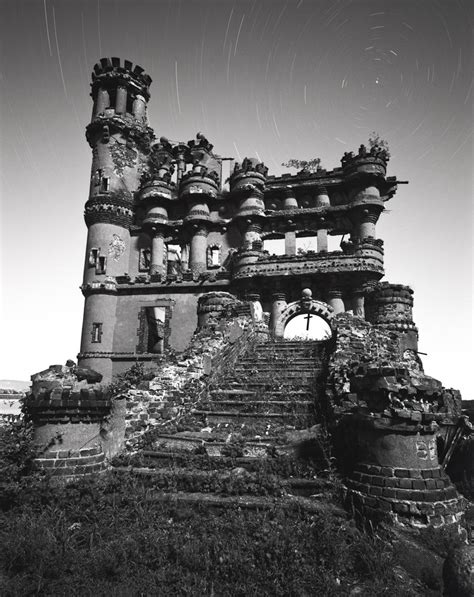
<point x="240" y="438"/>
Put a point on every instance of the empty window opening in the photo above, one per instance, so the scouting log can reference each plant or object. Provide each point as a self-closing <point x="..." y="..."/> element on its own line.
<point x="275" y="246"/>
<point x="93" y="257"/>
<point x="306" y="243"/>
<point x="307" y="326"/>
<point x="96" y="333"/>
<point x="213" y="256"/>
<point x="106" y="183"/>
<point x="173" y="257"/>
<point x="101" y="265"/>
<point x="144" y="260"/>
<point x="334" y="242"/>
<point x="156" y="318"/>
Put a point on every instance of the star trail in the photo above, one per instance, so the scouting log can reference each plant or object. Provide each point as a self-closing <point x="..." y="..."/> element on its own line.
<point x="280" y="80"/>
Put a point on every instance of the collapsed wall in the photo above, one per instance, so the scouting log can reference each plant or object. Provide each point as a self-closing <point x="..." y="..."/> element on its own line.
<point x="394" y="425"/>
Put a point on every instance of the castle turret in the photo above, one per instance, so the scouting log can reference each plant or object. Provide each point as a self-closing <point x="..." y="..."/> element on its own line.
<point x="197" y="187"/>
<point x="120" y="139"/>
<point x="247" y="185"/>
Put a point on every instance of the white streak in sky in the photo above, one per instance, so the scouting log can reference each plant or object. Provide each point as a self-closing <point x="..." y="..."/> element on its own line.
<point x="84" y="42"/>
<point x="228" y="25"/>
<point x="59" y="55"/>
<point x="238" y="33"/>
<point x="304" y="95"/>
<point x="258" y="116"/>
<point x="47" y="28"/>
<point x="237" y="151"/>
<point x="98" y="27"/>
<point x="276" y="126"/>
<point x="228" y="63"/>
<point x="177" y="88"/>
<point x="469" y="92"/>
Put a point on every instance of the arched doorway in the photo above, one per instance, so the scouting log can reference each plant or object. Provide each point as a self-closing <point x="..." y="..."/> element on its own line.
<point x="305" y="319"/>
<point x="307" y="326"/>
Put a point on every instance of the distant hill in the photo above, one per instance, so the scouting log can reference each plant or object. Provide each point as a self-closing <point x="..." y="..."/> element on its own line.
<point x="15" y="385"/>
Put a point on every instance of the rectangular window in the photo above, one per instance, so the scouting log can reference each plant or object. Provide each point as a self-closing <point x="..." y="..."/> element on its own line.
<point x="106" y="183"/>
<point x="144" y="260"/>
<point x="93" y="256"/>
<point x="101" y="265"/>
<point x="97" y="333"/>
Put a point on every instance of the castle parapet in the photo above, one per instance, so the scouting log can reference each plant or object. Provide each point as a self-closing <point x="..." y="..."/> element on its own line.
<point x="372" y="162"/>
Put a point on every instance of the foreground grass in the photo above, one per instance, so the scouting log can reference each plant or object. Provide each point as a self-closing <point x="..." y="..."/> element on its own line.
<point x="105" y="537"/>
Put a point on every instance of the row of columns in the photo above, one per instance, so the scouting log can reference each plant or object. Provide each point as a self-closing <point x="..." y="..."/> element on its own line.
<point x="102" y="102"/>
<point x="334" y="299"/>
<point x="197" y="250"/>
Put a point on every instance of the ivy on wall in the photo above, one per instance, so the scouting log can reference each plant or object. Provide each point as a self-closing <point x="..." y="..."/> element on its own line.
<point x="123" y="156"/>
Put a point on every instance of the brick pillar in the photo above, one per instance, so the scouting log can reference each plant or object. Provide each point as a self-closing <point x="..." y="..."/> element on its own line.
<point x="397" y="475"/>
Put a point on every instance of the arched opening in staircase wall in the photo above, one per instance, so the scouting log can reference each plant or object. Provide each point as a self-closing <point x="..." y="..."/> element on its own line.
<point x="307" y="327"/>
<point x="316" y="309"/>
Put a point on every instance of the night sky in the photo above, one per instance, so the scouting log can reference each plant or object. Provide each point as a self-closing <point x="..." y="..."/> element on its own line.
<point x="268" y="79"/>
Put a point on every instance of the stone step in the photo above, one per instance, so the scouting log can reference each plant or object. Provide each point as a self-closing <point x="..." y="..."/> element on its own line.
<point x="206" y="479"/>
<point x="260" y="406"/>
<point x="257" y="385"/>
<point x="215" y="445"/>
<point x="235" y="418"/>
<point x="301" y="361"/>
<point x="277" y="368"/>
<point x="237" y="392"/>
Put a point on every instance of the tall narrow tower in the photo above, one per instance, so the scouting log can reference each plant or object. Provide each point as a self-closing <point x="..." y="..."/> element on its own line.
<point x="120" y="140"/>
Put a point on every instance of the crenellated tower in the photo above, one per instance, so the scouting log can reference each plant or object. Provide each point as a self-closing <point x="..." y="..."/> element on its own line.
<point x="120" y="138"/>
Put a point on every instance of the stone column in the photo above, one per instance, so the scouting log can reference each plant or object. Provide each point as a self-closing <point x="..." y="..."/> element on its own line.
<point x="185" y="256"/>
<point x="289" y="201"/>
<point x="358" y="302"/>
<point x="157" y="252"/>
<point x="253" y="232"/>
<point x="278" y="306"/>
<point x="139" y="107"/>
<point x="121" y="100"/>
<point x="198" y="249"/>
<point x="335" y="301"/>
<point x="322" y="197"/>
<point x="322" y="240"/>
<point x="367" y="225"/>
<point x="290" y="242"/>
<point x="102" y="102"/>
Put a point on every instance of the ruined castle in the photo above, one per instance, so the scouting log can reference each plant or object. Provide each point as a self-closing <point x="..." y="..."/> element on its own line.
<point x="181" y="275"/>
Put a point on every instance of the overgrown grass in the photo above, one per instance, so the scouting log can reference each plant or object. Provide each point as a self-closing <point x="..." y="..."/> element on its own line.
<point x="106" y="536"/>
<point x="110" y="536"/>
